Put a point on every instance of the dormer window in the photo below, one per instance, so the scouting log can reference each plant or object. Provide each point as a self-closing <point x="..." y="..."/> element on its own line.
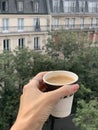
<point x="20" y="6"/>
<point x="36" y="7"/>
<point x="56" y="5"/>
<point x="4" y="6"/>
<point x="69" y="6"/>
<point x="81" y="6"/>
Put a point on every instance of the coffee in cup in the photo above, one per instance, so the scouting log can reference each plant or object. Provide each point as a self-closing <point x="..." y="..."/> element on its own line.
<point x="56" y="79"/>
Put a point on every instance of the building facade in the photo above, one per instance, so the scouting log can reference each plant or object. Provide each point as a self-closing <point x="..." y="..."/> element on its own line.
<point x="25" y="23"/>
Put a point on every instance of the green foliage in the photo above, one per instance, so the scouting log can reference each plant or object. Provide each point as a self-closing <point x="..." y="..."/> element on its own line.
<point x="24" y="64"/>
<point x="9" y="104"/>
<point x="9" y="94"/>
<point x="86" y="117"/>
<point x="83" y="93"/>
<point x="85" y="64"/>
<point x="66" y="42"/>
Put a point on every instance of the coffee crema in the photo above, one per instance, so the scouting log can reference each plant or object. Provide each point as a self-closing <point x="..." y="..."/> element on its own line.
<point x="60" y="79"/>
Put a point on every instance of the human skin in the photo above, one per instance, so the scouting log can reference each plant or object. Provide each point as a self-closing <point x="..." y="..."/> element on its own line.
<point x="36" y="105"/>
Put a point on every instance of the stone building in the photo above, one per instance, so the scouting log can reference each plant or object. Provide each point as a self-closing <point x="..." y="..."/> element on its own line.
<point x="25" y="23"/>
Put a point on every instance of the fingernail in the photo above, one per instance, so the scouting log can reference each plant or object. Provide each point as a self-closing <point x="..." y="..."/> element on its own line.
<point x="76" y="87"/>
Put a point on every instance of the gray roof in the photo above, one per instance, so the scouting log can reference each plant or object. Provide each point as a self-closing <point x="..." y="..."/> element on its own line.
<point x="27" y="5"/>
<point x="61" y="7"/>
<point x="45" y="6"/>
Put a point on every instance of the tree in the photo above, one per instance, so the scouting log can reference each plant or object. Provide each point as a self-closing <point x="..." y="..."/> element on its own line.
<point x="24" y="65"/>
<point x="66" y="43"/>
<point x="8" y="92"/>
<point x="86" y="117"/>
<point x="85" y="64"/>
<point x="15" y="71"/>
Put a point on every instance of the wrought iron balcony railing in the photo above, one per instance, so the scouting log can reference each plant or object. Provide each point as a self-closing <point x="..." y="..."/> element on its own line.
<point x="23" y="29"/>
<point x="84" y="27"/>
<point x="31" y="29"/>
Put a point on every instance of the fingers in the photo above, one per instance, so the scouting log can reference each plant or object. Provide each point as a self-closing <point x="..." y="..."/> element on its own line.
<point x="39" y="76"/>
<point x="64" y="91"/>
<point x="37" y="81"/>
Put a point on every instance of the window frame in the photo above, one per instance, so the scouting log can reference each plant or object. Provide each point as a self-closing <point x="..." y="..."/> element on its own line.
<point x="82" y="6"/>
<point x="73" y="20"/>
<point x="21" y="43"/>
<point x="36" y="43"/>
<point x="91" y="20"/>
<point x="5" y="24"/>
<point x="4" y="6"/>
<point x="67" y="23"/>
<point x="36" y="6"/>
<point x="56" y="6"/>
<point x="6" y="44"/>
<point x="36" y="24"/>
<point x="56" y="23"/>
<point x="20" y="6"/>
<point x="69" y="6"/>
<point x="82" y="21"/>
<point x="92" y="7"/>
<point x="20" y="24"/>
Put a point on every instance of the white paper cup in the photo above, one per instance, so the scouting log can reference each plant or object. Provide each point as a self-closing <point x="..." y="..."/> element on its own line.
<point x="63" y="107"/>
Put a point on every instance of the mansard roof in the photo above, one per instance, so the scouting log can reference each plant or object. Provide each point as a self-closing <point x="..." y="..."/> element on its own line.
<point x="44" y="7"/>
<point x="60" y="9"/>
<point x="27" y="7"/>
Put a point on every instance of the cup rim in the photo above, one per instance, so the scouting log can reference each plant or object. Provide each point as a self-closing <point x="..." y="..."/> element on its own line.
<point x="61" y="71"/>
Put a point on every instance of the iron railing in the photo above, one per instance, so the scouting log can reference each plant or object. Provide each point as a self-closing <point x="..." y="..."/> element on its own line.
<point x="76" y="27"/>
<point x="23" y="29"/>
<point x="31" y="29"/>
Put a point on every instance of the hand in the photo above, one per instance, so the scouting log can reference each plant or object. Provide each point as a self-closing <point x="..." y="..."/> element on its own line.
<point x="36" y="106"/>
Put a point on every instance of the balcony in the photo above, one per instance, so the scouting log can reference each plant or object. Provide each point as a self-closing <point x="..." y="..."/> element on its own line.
<point x="44" y="29"/>
<point x="14" y="30"/>
<point x="76" y="27"/>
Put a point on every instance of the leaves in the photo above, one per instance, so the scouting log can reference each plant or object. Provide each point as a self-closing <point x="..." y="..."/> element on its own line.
<point x="87" y="115"/>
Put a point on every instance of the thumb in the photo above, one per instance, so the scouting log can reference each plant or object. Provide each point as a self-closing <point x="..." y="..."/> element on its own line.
<point x="64" y="91"/>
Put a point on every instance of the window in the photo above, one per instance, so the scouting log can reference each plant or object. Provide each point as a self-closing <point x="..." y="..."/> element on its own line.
<point x="66" y="9"/>
<point x="20" y="24"/>
<point x="91" y="23"/>
<point x="96" y="7"/>
<point x="21" y="43"/>
<point x="69" y="6"/>
<point x="6" y="44"/>
<point x="48" y="22"/>
<point x="36" y="24"/>
<point x="56" y="5"/>
<point x="36" y="6"/>
<point x="92" y="7"/>
<point x="73" y="23"/>
<point x="57" y="23"/>
<point x="5" y="24"/>
<point x="82" y="22"/>
<point x="67" y="23"/>
<point x="81" y="6"/>
<point x="4" y="6"/>
<point x="36" y="43"/>
<point x="72" y="6"/>
<point x="96" y="21"/>
<point x="20" y="6"/>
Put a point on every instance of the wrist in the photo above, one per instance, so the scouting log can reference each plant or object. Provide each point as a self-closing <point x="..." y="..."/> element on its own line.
<point x="25" y="125"/>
